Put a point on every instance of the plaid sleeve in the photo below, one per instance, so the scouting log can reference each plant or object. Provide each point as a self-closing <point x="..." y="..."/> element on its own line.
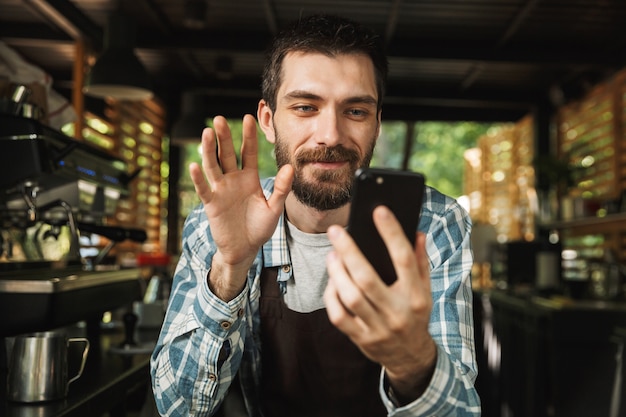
<point x="201" y="341"/>
<point x="451" y="391"/>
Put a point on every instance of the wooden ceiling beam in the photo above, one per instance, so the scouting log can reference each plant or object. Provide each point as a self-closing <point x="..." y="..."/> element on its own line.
<point x="153" y="10"/>
<point x="67" y="17"/>
<point x="270" y="16"/>
<point x="517" y="21"/>
<point x="392" y="20"/>
<point x="400" y="48"/>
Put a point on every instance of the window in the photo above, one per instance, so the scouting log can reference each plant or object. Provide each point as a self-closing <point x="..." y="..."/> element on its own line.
<point x="133" y="132"/>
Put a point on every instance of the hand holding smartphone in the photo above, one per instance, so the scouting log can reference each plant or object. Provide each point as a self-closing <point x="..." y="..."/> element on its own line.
<point x="402" y="192"/>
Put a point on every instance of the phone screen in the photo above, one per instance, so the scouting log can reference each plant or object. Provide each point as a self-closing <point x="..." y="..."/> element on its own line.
<point x="402" y="192"/>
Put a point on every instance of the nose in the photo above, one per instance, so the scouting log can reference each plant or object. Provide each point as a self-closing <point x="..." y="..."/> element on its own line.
<point x="329" y="129"/>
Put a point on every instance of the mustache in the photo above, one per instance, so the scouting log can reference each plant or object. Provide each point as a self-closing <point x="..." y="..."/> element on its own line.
<point x="327" y="154"/>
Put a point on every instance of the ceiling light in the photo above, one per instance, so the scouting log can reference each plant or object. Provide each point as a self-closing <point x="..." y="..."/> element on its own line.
<point x="193" y="119"/>
<point x="118" y="73"/>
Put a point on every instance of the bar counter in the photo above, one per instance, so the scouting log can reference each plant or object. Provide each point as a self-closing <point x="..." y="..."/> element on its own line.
<point x="109" y="383"/>
<point x="548" y="356"/>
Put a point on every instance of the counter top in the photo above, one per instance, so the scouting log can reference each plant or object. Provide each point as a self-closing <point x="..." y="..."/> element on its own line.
<point x="39" y="300"/>
<point x="54" y="281"/>
<point x="566" y="303"/>
<point x="553" y="302"/>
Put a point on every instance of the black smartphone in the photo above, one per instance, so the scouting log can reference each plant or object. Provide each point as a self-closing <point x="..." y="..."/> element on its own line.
<point x="402" y="192"/>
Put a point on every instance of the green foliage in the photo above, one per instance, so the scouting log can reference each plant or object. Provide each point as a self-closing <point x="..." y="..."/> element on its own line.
<point x="389" y="151"/>
<point x="267" y="162"/>
<point x="437" y="151"/>
<point x="192" y="153"/>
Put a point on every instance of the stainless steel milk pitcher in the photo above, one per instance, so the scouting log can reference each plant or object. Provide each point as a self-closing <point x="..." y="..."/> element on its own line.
<point x="38" y="366"/>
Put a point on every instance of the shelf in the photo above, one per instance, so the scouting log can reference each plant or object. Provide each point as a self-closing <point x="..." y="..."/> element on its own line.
<point x="586" y="222"/>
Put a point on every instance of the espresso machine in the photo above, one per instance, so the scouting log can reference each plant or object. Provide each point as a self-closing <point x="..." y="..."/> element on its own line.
<point x="53" y="191"/>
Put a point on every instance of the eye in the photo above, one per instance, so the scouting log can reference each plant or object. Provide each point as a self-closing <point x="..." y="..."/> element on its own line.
<point x="304" y="108"/>
<point x="357" y="112"/>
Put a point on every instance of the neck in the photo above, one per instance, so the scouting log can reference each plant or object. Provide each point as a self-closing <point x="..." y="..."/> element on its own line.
<point x="310" y="220"/>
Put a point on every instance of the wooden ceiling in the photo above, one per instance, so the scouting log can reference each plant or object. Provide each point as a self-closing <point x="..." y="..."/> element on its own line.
<point x="484" y="60"/>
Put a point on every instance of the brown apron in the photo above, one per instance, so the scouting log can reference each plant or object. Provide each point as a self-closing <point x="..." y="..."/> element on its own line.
<point x="310" y="368"/>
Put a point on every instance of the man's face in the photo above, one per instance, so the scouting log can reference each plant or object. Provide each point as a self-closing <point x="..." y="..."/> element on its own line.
<point x="325" y="124"/>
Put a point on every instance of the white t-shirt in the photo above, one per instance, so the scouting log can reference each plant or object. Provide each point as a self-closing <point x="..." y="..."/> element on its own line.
<point x="308" y="252"/>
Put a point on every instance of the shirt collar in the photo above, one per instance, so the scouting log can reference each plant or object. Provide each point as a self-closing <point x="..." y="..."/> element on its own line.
<point x="275" y="250"/>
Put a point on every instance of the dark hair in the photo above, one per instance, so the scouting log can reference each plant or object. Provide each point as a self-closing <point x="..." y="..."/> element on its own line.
<point x="328" y="35"/>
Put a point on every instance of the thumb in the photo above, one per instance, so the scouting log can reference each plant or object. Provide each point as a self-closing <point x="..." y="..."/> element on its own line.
<point x="282" y="187"/>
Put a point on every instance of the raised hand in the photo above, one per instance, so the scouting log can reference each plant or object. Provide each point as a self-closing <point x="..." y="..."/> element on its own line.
<point x="240" y="217"/>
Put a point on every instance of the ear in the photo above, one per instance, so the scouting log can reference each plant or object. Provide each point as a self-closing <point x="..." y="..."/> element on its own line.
<point x="380" y="120"/>
<point x="265" y="116"/>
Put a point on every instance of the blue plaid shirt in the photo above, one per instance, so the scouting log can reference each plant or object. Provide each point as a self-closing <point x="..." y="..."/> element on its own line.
<point x="205" y="341"/>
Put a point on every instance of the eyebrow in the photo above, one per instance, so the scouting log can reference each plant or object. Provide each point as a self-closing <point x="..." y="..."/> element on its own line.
<point x="366" y="99"/>
<point x="298" y="94"/>
<point x="303" y="94"/>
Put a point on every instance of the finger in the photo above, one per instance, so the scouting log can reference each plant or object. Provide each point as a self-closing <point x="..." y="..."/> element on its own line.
<point x="226" y="149"/>
<point x="360" y="288"/>
<point x="199" y="183"/>
<point x="335" y="310"/>
<point x="348" y="294"/>
<point x="400" y="250"/>
<point x="249" y="144"/>
<point x="282" y="188"/>
<point x="423" y="263"/>
<point x="355" y="262"/>
<point x="210" y="164"/>
<point x="340" y="316"/>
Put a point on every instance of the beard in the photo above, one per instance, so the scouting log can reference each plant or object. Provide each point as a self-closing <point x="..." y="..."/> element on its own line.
<point x="328" y="189"/>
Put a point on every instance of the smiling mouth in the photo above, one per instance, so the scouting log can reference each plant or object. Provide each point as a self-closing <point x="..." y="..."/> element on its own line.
<point x="328" y="164"/>
<point x="328" y="159"/>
